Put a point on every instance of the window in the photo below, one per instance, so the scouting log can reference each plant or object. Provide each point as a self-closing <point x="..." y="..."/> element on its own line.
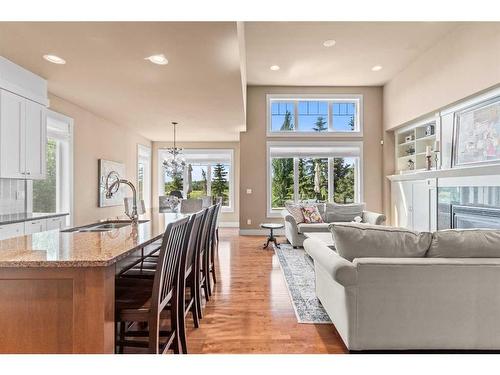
<point x="338" y="115"/>
<point x="144" y="174"/>
<point x="207" y="173"/>
<point x="318" y="172"/>
<point x="54" y="193"/>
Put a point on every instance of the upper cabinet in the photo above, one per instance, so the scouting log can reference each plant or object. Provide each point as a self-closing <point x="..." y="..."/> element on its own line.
<point x="23" y="129"/>
<point x="23" y="138"/>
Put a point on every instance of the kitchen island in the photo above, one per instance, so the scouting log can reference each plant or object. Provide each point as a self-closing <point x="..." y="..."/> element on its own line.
<point x="57" y="287"/>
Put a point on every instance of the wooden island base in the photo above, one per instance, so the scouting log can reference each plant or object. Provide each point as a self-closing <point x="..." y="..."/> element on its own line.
<point x="57" y="310"/>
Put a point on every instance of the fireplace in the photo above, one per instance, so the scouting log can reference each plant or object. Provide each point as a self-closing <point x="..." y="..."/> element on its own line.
<point x="464" y="217"/>
<point x="468" y="207"/>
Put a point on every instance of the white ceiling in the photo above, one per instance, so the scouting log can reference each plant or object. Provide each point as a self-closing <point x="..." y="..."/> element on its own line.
<point x="297" y="47"/>
<point x="203" y="85"/>
<point x="106" y="73"/>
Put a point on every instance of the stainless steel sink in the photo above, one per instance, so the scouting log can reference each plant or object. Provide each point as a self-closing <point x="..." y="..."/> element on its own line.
<point x="103" y="227"/>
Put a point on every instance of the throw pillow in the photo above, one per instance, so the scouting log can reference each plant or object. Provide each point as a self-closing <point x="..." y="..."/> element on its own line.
<point x="465" y="243"/>
<point x="311" y="214"/>
<point x="353" y="240"/>
<point x="337" y="213"/>
<point x="296" y="211"/>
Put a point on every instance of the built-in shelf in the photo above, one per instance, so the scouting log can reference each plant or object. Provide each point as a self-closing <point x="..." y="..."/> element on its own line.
<point x="420" y="140"/>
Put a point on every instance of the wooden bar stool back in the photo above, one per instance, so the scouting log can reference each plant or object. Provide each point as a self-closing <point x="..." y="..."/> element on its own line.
<point x="134" y="305"/>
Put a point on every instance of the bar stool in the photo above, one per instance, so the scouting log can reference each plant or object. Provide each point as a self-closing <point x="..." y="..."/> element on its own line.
<point x="147" y="268"/>
<point x="143" y="300"/>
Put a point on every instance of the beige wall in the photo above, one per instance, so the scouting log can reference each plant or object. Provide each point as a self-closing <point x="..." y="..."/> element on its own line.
<point x="464" y="62"/>
<point x="96" y="138"/>
<point x="253" y="148"/>
<point x="226" y="217"/>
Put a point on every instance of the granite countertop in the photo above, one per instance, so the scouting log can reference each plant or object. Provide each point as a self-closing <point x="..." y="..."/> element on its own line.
<point x="19" y="218"/>
<point x="57" y="248"/>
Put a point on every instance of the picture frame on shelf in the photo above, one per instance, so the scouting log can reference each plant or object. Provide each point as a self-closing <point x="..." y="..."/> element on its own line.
<point x="477" y="134"/>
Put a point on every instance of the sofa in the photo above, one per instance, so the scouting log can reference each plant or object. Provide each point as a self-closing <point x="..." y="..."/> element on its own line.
<point x="294" y="231"/>
<point x="447" y="297"/>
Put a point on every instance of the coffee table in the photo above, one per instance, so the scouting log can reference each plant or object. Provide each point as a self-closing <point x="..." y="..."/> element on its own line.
<point x="271" y="238"/>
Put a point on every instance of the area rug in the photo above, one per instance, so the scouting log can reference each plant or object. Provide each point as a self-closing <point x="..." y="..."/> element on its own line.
<point x="298" y="271"/>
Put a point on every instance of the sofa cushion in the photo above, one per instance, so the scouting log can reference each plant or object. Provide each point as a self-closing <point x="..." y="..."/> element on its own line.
<point x="295" y="209"/>
<point x="336" y="213"/>
<point x="357" y="240"/>
<point x="311" y="215"/>
<point x="314" y="227"/>
<point x="465" y="243"/>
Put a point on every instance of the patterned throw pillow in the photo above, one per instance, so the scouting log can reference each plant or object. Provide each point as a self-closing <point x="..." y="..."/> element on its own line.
<point x="311" y="214"/>
<point x="296" y="211"/>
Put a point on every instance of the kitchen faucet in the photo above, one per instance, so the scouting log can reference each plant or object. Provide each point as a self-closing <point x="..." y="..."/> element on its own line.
<point x="113" y="188"/>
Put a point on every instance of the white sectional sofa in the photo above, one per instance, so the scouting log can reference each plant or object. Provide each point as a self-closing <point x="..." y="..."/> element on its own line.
<point x="434" y="301"/>
<point x="294" y="231"/>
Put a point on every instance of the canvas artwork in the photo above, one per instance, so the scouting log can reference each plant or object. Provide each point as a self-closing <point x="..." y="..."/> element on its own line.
<point x="478" y="134"/>
<point x="105" y="167"/>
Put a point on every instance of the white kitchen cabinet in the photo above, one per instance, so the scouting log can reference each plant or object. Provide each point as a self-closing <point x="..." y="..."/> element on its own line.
<point x="55" y="223"/>
<point x="23" y="137"/>
<point x="35" y="226"/>
<point x="12" y="152"/>
<point x="36" y="140"/>
<point x="11" y="230"/>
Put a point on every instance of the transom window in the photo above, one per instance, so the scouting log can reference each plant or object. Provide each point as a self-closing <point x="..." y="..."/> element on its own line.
<point x="313" y="115"/>
<point x="313" y="172"/>
<point x="207" y="173"/>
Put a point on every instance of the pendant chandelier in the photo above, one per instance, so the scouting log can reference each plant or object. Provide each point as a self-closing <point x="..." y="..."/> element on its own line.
<point x="175" y="162"/>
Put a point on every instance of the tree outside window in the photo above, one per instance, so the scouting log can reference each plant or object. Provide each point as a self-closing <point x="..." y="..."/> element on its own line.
<point x="45" y="191"/>
<point x="220" y="183"/>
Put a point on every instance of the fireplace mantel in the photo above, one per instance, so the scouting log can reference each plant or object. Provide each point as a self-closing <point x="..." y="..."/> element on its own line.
<point x="478" y="170"/>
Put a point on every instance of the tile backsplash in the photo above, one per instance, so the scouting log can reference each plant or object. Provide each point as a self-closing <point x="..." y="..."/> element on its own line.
<point x="12" y="196"/>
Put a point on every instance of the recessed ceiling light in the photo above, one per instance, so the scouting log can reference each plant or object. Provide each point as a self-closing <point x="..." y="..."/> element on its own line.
<point x="329" y="43"/>
<point x="54" y="59"/>
<point x="274" y="67"/>
<point x="157" y="59"/>
<point x="376" y="68"/>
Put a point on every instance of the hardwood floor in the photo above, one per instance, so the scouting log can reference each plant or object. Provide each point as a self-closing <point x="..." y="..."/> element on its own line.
<point x="250" y="310"/>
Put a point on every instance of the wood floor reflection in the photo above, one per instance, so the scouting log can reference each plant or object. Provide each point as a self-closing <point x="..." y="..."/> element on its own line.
<point x="250" y="311"/>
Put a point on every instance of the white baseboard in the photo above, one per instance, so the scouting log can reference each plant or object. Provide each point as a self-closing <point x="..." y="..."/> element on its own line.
<point x="261" y="232"/>
<point x="229" y="224"/>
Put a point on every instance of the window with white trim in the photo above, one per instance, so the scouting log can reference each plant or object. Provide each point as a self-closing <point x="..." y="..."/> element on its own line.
<point x="144" y="174"/>
<point x="208" y="173"/>
<point x="339" y="115"/>
<point x="54" y="193"/>
<point x="313" y="172"/>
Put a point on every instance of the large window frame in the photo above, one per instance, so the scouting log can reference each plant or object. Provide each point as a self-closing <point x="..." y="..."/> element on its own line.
<point x="208" y="157"/>
<point x="144" y="160"/>
<point x="330" y="99"/>
<point x="356" y="152"/>
<point x="60" y="129"/>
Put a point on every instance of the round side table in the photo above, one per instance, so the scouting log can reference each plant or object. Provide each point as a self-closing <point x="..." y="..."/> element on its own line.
<point x="271" y="238"/>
